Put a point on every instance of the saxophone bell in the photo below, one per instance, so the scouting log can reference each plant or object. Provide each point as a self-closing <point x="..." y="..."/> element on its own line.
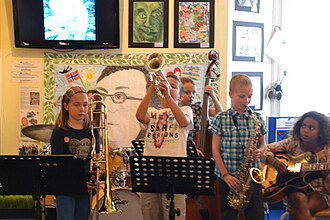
<point x="257" y="175"/>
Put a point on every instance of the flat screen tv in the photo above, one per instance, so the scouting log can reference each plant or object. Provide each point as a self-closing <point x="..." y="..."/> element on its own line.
<point x="66" y="24"/>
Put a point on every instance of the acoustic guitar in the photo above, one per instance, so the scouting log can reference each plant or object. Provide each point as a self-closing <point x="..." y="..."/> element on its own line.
<point x="293" y="164"/>
<point x="303" y="169"/>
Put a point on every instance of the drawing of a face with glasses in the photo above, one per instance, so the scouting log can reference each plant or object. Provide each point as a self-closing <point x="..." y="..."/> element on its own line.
<point x="120" y="97"/>
<point x="123" y="89"/>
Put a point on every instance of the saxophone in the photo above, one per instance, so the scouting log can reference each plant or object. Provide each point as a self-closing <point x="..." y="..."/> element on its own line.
<point x="239" y="200"/>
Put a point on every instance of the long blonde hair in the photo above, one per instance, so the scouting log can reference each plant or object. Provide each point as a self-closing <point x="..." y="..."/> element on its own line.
<point x="63" y="117"/>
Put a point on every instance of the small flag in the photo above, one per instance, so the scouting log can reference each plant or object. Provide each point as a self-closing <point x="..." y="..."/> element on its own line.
<point x="72" y="76"/>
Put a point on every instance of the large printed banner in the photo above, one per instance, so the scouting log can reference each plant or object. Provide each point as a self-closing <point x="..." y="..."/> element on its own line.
<point x="124" y="79"/>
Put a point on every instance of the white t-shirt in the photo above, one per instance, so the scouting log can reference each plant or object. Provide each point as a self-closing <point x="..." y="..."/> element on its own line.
<point x="164" y="136"/>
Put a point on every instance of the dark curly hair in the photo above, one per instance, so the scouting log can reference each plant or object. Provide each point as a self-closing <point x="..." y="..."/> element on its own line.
<point x="324" y="123"/>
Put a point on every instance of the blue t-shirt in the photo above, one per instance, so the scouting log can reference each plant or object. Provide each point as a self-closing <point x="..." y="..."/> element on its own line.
<point x="75" y="142"/>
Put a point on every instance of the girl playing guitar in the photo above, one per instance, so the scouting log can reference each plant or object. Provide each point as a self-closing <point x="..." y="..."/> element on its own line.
<point x="311" y="133"/>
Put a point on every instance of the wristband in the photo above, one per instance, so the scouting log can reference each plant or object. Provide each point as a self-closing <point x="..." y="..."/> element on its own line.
<point x="274" y="162"/>
<point x="226" y="174"/>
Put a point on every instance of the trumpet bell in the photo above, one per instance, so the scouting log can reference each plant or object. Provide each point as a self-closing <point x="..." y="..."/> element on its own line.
<point x="154" y="62"/>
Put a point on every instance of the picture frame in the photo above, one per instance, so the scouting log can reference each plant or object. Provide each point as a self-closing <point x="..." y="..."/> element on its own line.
<point x="247" y="5"/>
<point x="256" y="103"/>
<point x="248" y="41"/>
<point x="152" y="33"/>
<point x="194" y="24"/>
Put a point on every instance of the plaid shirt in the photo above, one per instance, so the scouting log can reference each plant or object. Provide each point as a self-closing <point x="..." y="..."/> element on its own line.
<point x="236" y="132"/>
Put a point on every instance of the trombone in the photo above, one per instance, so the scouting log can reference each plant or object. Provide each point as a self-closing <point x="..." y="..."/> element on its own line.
<point x="98" y="109"/>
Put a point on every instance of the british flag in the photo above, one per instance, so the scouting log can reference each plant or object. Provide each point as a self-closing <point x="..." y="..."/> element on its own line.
<point x="72" y="76"/>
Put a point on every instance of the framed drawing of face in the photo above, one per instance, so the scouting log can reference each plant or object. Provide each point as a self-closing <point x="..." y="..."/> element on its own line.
<point x="148" y="23"/>
<point x="194" y="24"/>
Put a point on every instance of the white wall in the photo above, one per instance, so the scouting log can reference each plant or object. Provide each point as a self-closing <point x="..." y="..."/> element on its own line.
<point x="266" y="17"/>
<point x="306" y="86"/>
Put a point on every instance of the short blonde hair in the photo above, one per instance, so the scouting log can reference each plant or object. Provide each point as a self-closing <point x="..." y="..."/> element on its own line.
<point x="238" y="81"/>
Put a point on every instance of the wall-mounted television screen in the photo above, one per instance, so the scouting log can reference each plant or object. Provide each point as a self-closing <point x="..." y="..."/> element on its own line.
<point x="66" y="24"/>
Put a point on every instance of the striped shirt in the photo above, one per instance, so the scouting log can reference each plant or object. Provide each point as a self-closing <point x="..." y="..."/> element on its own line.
<point x="236" y="132"/>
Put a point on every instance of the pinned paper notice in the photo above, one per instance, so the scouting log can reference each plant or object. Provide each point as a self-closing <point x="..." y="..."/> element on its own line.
<point x="277" y="48"/>
<point x="26" y="71"/>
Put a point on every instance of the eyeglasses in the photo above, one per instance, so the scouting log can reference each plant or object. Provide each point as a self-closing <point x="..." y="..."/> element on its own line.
<point x="120" y="97"/>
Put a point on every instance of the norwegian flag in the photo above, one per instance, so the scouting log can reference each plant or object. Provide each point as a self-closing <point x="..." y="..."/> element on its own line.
<point x="72" y="76"/>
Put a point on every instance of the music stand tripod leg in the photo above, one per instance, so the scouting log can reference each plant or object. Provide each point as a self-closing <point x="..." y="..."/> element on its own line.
<point x="39" y="209"/>
<point x="43" y="208"/>
<point x="172" y="210"/>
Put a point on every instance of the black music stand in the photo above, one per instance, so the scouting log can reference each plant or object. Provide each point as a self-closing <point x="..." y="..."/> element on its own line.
<point x="42" y="175"/>
<point x="191" y="148"/>
<point x="172" y="175"/>
<point x="138" y="146"/>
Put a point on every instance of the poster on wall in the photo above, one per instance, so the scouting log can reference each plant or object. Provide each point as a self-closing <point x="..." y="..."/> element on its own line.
<point x="277" y="48"/>
<point x="29" y="115"/>
<point x="148" y="23"/>
<point x="248" y="41"/>
<point x="193" y="24"/>
<point x="121" y="78"/>
<point x="29" y="106"/>
<point x="26" y="71"/>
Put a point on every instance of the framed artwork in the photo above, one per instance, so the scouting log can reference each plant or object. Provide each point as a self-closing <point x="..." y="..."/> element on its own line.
<point x="257" y="82"/>
<point x="148" y="23"/>
<point x="247" y="5"/>
<point x="193" y="24"/>
<point x="248" y="41"/>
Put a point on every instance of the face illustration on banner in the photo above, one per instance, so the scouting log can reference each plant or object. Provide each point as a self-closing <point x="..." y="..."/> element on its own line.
<point x="124" y="90"/>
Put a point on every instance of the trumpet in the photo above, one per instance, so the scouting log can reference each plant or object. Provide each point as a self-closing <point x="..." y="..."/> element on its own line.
<point x="154" y="64"/>
<point x="98" y="109"/>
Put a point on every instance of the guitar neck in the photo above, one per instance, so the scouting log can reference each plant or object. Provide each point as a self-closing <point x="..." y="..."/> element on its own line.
<point x="302" y="163"/>
<point x="314" y="167"/>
